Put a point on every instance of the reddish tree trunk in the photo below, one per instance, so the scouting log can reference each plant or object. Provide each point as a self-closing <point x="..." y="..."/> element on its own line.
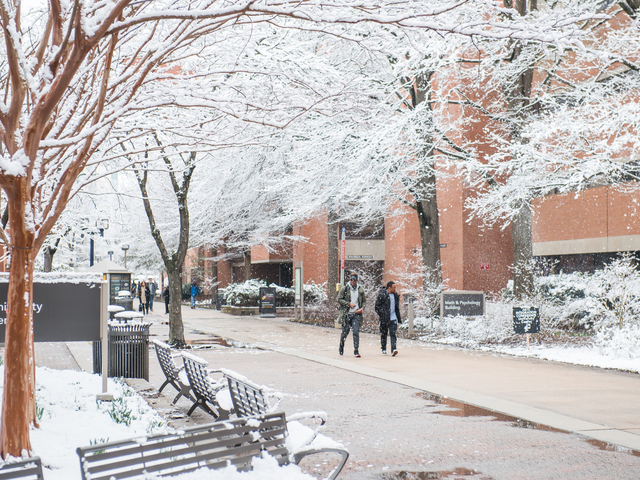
<point x="18" y="401"/>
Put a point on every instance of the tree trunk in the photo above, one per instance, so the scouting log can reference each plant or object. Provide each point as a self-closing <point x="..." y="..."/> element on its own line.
<point x="518" y="98"/>
<point x="176" y="327"/>
<point x="430" y="239"/>
<point x="333" y="258"/>
<point x="18" y="400"/>
<point x="247" y="264"/>
<point x="48" y="259"/>
<point x="214" y="275"/>
<point x="426" y="198"/>
<point x="522" y="253"/>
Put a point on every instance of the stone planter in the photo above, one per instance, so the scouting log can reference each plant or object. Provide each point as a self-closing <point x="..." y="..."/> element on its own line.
<point x="239" y="310"/>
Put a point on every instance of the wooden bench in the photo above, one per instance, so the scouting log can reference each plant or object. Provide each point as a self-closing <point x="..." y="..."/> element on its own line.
<point x="28" y="469"/>
<point x="204" y="388"/>
<point x="214" y="446"/>
<point x="172" y="371"/>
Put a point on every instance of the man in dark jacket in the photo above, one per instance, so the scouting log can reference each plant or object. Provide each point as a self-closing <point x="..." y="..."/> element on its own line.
<point x="388" y="309"/>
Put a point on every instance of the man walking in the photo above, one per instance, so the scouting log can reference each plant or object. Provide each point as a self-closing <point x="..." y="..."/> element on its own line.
<point x="153" y="288"/>
<point x="388" y="309"/>
<point x="352" y="301"/>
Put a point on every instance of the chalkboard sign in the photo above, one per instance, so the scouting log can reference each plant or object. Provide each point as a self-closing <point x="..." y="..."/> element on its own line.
<point x="267" y="302"/>
<point x="467" y="304"/>
<point x="526" y="320"/>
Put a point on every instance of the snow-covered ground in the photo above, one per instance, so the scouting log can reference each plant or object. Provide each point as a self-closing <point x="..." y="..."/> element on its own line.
<point x="611" y="348"/>
<point x="69" y="417"/>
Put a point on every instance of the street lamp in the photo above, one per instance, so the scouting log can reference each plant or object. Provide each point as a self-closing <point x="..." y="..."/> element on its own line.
<point x="110" y="253"/>
<point x="125" y="248"/>
<point x="102" y="226"/>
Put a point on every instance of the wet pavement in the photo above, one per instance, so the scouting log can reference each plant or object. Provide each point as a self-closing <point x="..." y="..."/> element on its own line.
<point x="396" y="430"/>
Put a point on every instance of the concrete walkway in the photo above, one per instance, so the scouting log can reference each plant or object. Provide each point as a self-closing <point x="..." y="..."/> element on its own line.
<point x="600" y="404"/>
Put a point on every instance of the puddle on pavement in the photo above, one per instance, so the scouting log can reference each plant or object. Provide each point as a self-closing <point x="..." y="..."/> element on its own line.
<point x="457" y="474"/>
<point x="464" y="410"/>
<point x="212" y="341"/>
<point x="610" y="447"/>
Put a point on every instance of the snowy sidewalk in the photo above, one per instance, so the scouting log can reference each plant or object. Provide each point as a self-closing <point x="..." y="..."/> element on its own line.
<point x="597" y="403"/>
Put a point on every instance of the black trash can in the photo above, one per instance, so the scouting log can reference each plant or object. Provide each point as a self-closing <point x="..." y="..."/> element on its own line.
<point x="220" y="301"/>
<point x="128" y="351"/>
<point x="126" y="302"/>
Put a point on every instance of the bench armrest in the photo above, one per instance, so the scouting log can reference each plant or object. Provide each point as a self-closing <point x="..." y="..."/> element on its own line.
<point x="322" y="416"/>
<point x="334" y="473"/>
<point x="273" y="399"/>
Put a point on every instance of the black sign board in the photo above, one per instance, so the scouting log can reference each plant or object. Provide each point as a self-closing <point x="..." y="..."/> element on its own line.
<point x="267" y="302"/>
<point x="467" y="304"/>
<point x="119" y="281"/>
<point x="62" y="312"/>
<point x="526" y="320"/>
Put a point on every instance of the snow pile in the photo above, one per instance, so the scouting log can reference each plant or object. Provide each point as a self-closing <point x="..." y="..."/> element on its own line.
<point x="60" y="277"/>
<point x="69" y="416"/>
<point x="265" y="468"/>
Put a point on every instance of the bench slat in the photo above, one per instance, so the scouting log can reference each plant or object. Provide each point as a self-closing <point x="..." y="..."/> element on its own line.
<point x="213" y="446"/>
<point x="28" y="469"/>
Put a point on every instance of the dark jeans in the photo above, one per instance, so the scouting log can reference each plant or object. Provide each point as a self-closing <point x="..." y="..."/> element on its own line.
<point x="354" y="321"/>
<point x="390" y="328"/>
<point x="166" y="304"/>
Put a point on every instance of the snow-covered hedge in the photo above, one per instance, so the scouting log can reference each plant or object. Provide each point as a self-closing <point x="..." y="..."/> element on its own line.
<point x="604" y="304"/>
<point x="607" y="298"/>
<point x="247" y="294"/>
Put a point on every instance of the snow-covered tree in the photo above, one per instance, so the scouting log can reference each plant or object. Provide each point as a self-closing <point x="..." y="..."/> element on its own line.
<point x="73" y="73"/>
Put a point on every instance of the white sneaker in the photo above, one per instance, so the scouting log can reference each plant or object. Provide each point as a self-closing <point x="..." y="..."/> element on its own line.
<point x="384" y="352"/>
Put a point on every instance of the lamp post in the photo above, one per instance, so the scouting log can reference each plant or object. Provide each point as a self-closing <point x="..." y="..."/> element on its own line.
<point x="125" y="248"/>
<point x="110" y="253"/>
<point x="102" y="226"/>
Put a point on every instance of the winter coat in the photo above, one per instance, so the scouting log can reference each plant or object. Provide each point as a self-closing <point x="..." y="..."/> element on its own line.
<point x="152" y="288"/>
<point x="144" y="294"/>
<point x="165" y="293"/>
<point x="383" y="306"/>
<point x="344" y="300"/>
<point x="194" y="290"/>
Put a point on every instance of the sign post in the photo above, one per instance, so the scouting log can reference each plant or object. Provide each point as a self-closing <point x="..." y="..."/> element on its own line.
<point x="299" y="279"/>
<point x="104" y="334"/>
<point x="267" y="302"/>
<point x="343" y="254"/>
<point x="410" y="315"/>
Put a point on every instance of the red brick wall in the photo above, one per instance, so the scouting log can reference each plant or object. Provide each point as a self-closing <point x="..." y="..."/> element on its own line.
<point x="313" y="251"/>
<point x="593" y="213"/>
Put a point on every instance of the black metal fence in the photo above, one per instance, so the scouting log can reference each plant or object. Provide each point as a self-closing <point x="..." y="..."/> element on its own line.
<point x="128" y="351"/>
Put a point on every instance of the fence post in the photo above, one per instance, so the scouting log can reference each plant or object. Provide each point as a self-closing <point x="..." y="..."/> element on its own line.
<point x="410" y="316"/>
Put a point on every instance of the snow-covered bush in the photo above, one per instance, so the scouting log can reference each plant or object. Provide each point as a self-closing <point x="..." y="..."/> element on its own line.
<point x="577" y="301"/>
<point x="493" y="327"/>
<point x="247" y="294"/>
<point x="617" y="342"/>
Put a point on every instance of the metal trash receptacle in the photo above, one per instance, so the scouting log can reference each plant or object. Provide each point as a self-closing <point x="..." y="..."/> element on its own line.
<point x="126" y="302"/>
<point x="128" y="351"/>
<point x="220" y="301"/>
